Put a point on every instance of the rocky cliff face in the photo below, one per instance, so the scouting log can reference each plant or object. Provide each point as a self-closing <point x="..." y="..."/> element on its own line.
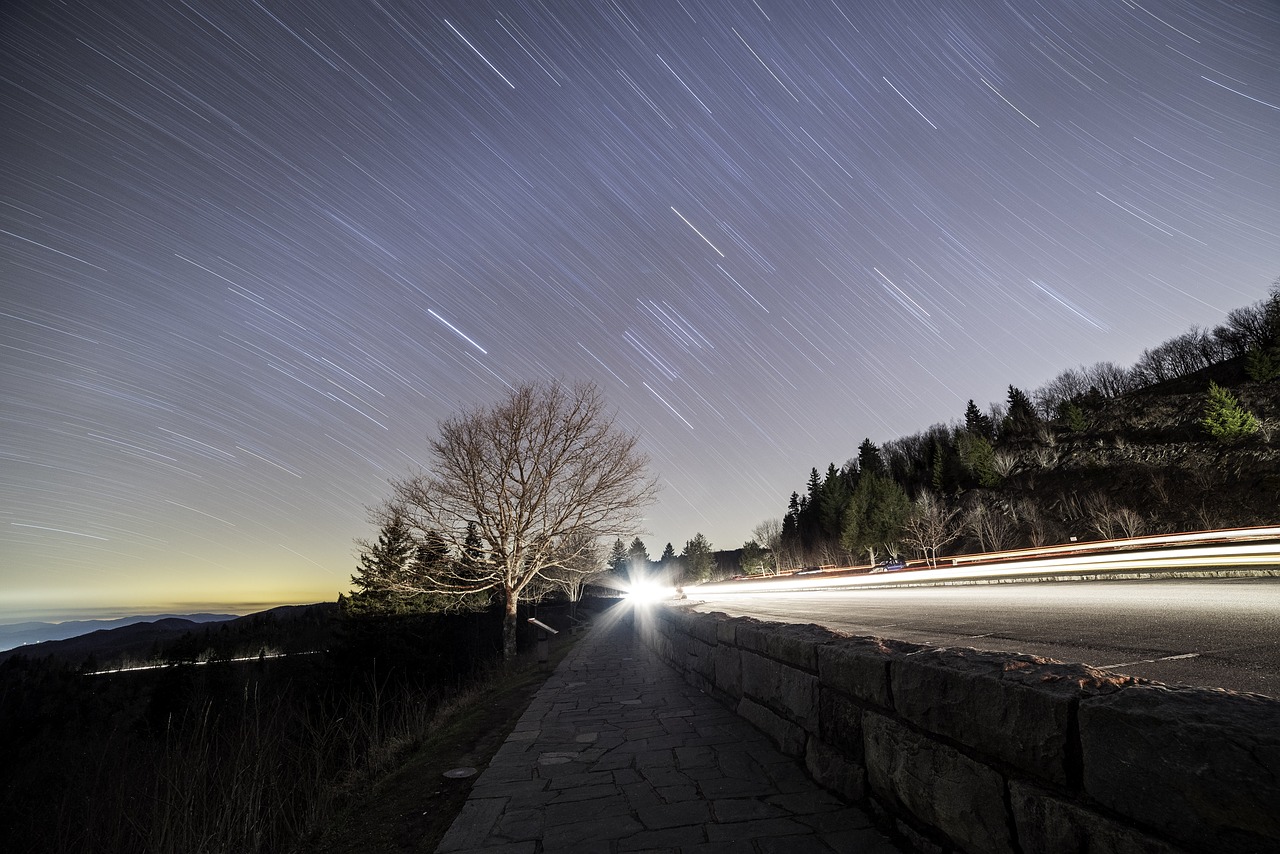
<point x="1145" y="464"/>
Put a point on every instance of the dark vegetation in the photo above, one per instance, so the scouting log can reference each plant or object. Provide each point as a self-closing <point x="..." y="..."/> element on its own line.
<point x="1185" y="439"/>
<point x="227" y="754"/>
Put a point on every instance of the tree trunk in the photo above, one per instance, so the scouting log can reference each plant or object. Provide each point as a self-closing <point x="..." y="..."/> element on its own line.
<point x="512" y="599"/>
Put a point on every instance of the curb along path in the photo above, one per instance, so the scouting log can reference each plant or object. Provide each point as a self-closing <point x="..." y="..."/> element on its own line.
<point x="617" y="753"/>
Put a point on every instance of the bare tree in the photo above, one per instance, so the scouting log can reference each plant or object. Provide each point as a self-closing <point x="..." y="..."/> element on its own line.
<point x="542" y="475"/>
<point x="1245" y="328"/>
<point x="990" y="525"/>
<point x="1068" y="385"/>
<point x="769" y="535"/>
<point x="1113" y="521"/>
<point x="932" y="526"/>
<point x="1109" y="379"/>
<point x="1039" y="527"/>
<point x="584" y="563"/>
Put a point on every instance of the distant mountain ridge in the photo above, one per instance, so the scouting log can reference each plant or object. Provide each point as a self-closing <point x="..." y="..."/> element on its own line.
<point x="14" y="635"/>
<point x="286" y="628"/>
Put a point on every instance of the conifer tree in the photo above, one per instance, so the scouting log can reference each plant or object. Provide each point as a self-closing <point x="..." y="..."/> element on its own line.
<point x="876" y="516"/>
<point x="390" y="556"/>
<point x="1022" y="418"/>
<point x="618" y="559"/>
<point x="697" y="559"/>
<point x="1225" y="419"/>
<point x="977" y="422"/>
<point x="869" y="460"/>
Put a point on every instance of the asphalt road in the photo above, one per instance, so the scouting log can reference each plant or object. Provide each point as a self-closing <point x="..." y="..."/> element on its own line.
<point x="1211" y="633"/>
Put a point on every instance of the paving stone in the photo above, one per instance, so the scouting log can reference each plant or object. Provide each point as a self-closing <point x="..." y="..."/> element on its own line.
<point x="619" y="753"/>
<point x="677" y="794"/>
<point x="745" y="831"/>
<point x="657" y="840"/>
<point x="744" y="809"/>
<point x="568" y="813"/>
<point x="674" y="815"/>
<point x="593" y="831"/>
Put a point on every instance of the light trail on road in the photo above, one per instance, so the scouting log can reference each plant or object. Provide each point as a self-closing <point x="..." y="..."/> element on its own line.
<point x="1212" y="633"/>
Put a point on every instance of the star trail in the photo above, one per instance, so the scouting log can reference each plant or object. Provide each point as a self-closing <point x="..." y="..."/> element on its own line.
<point x="252" y="252"/>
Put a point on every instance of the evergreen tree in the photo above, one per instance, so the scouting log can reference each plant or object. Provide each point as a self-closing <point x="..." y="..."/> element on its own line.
<point x="869" y="460"/>
<point x="1072" y="416"/>
<point x="753" y="560"/>
<point x="832" y="500"/>
<point x="697" y="559"/>
<point x="389" y="558"/>
<point x="978" y="459"/>
<point x="1262" y="365"/>
<point x="791" y="523"/>
<point x="1022" y="419"/>
<point x="637" y="559"/>
<point x="473" y="556"/>
<point x="876" y="517"/>
<point x="668" y="555"/>
<point x="1225" y="419"/>
<point x="810" y="507"/>
<point x="977" y="422"/>
<point x="618" y="559"/>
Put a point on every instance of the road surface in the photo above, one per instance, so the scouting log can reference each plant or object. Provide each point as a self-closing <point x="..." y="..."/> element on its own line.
<point x="1211" y="633"/>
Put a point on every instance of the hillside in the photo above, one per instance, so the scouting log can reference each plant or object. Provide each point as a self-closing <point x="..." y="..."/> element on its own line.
<point x="1098" y="452"/>
<point x="33" y="632"/>
<point x="286" y="628"/>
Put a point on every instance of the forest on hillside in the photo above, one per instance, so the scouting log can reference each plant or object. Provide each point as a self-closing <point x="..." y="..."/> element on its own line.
<point x="1183" y="439"/>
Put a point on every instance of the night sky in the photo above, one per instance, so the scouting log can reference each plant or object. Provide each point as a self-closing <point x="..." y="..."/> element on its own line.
<point x="252" y="252"/>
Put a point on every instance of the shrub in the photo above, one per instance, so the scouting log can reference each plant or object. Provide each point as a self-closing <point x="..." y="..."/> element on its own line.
<point x="1225" y="419"/>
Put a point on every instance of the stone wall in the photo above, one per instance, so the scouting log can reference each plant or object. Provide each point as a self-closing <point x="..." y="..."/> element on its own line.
<point x="983" y="752"/>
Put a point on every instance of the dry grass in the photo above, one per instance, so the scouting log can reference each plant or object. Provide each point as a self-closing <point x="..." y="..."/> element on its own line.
<point x="411" y="807"/>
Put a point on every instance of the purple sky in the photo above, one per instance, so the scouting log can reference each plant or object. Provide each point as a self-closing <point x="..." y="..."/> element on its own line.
<point x="251" y="252"/>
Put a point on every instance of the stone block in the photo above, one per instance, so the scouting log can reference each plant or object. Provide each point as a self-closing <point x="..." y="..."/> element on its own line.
<point x="860" y="667"/>
<point x="1016" y="708"/>
<point x="759" y="677"/>
<point x="786" y="735"/>
<point x="792" y="644"/>
<point x="1047" y="824"/>
<point x="944" y="789"/>
<point x="1201" y="764"/>
<point x="727" y="631"/>
<point x="840" y="723"/>
<point x="728" y="670"/>
<point x="704" y="626"/>
<point x="786" y="690"/>
<point x="798" y="697"/>
<point x="835" y="769"/>
<point x="699" y="659"/>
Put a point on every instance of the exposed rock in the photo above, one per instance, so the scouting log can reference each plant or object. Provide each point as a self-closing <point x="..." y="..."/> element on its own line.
<point x="940" y="786"/>
<point x="1204" y="764"/>
<point x="1050" y="825"/>
<point x="1017" y="707"/>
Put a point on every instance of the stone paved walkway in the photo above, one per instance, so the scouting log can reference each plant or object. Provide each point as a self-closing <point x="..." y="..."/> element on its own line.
<point x="618" y="753"/>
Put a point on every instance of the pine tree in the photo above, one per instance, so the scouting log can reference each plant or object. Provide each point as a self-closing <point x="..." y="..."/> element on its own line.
<point x="876" y="517"/>
<point x="1225" y="419"/>
<point x="832" y="499"/>
<point x="387" y="560"/>
<point x="978" y="423"/>
<point x="698" y="562"/>
<point x="1072" y="415"/>
<point x="1022" y="419"/>
<point x="869" y="460"/>
<point x="668" y="555"/>
<point x="1261" y="365"/>
<point x="618" y="559"/>
<point x="791" y="522"/>
<point x="978" y="459"/>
